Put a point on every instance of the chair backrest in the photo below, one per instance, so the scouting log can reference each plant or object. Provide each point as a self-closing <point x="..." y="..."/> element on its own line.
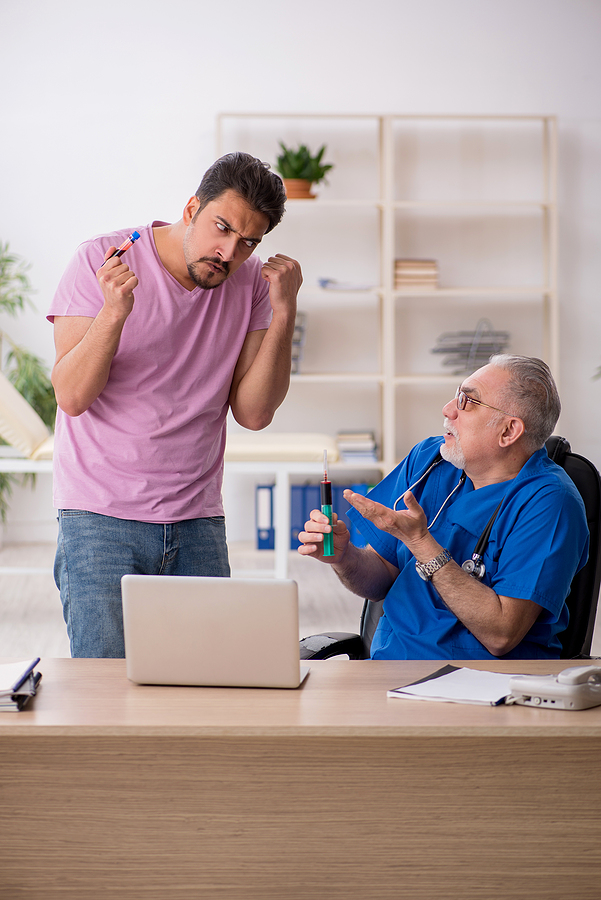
<point x="584" y="590"/>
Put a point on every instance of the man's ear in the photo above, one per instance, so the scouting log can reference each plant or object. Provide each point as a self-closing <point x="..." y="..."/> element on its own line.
<point x="512" y="432"/>
<point x="190" y="209"/>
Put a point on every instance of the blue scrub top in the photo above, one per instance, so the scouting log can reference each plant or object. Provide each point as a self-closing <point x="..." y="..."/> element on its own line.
<point x="538" y="542"/>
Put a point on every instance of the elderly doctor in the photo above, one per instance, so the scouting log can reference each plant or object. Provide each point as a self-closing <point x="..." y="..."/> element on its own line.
<point x="473" y="540"/>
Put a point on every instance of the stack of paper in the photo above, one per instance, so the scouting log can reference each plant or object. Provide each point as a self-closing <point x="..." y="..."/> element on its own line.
<point x="457" y="685"/>
<point x="18" y="682"/>
<point x="357" y="446"/>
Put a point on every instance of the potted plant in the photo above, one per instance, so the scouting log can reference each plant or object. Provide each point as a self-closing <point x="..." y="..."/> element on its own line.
<point x="25" y="370"/>
<point x="300" y="170"/>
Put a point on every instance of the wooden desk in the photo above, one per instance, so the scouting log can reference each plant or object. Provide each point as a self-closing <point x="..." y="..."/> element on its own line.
<point x="114" y="790"/>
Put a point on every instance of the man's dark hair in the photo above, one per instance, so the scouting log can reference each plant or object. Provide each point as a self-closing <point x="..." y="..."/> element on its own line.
<point x="262" y="189"/>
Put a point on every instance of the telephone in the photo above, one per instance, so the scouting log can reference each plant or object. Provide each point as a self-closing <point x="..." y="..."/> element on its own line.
<point x="576" y="688"/>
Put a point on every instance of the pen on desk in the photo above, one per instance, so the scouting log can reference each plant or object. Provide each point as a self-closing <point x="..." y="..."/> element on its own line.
<point x="326" y="506"/>
<point x="124" y="246"/>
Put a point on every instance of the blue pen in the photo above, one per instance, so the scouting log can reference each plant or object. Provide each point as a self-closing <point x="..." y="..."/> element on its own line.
<point x="124" y="246"/>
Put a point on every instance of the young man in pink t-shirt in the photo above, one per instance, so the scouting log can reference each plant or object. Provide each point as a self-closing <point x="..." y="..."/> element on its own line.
<point x="152" y="349"/>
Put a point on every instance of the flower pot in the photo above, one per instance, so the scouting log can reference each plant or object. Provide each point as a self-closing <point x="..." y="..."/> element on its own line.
<point x="298" y="189"/>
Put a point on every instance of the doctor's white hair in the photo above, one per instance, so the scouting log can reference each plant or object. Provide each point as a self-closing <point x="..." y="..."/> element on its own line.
<point x="531" y="393"/>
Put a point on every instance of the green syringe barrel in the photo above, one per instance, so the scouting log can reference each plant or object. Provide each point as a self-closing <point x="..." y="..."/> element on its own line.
<point x="326" y="508"/>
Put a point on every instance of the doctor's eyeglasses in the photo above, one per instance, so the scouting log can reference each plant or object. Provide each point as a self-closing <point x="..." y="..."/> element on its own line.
<point x="462" y="400"/>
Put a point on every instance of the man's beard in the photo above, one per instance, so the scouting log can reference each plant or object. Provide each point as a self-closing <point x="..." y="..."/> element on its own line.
<point x="214" y="279"/>
<point x="453" y="454"/>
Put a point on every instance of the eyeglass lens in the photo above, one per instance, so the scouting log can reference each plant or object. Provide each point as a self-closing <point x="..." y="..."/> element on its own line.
<point x="461" y="398"/>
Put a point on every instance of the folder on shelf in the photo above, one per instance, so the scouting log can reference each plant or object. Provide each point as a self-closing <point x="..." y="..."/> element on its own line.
<point x="303" y="498"/>
<point x="264" y="517"/>
<point x="297" y="513"/>
<point x="312" y="500"/>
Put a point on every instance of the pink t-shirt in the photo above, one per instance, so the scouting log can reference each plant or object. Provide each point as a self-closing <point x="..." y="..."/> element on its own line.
<point x="151" y="446"/>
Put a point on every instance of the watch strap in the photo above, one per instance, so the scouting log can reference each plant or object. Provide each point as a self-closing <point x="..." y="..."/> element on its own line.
<point x="426" y="570"/>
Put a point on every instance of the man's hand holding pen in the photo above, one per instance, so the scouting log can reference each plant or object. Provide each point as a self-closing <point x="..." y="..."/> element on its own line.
<point x="117" y="283"/>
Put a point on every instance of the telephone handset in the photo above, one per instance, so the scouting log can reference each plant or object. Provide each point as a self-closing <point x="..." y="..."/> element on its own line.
<point x="578" y="687"/>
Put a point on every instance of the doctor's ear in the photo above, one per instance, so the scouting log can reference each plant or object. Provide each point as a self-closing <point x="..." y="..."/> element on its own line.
<point x="512" y="432"/>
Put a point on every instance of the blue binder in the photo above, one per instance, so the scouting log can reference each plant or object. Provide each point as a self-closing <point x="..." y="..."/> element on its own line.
<point x="305" y="497"/>
<point x="297" y="513"/>
<point x="264" y="516"/>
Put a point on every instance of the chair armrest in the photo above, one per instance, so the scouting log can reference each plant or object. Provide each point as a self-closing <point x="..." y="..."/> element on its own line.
<point x="336" y="643"/>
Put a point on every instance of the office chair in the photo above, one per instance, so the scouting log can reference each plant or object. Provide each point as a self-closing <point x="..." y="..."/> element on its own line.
<point x="584" y="590"/>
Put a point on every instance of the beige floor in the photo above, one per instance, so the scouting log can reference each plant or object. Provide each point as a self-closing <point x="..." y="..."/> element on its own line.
<point x="31" y="620"/>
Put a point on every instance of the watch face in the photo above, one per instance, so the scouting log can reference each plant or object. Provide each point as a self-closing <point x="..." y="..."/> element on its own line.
<point x="421" y="573"/>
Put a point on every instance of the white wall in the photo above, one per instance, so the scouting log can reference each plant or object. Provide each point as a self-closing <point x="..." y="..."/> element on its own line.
<point x="108" y="115"/>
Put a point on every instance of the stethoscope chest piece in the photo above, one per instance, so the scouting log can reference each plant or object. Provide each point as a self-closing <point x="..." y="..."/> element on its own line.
<point x="475" y="567"/>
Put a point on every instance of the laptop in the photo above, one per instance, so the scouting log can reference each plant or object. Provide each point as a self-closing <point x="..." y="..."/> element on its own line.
<point x="226" y="632"/>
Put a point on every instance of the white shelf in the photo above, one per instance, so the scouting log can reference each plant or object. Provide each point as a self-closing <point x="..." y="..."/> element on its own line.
<point x="336" y="378"/>
<point x="500" y="291"/>
<point x="477" y="193"/>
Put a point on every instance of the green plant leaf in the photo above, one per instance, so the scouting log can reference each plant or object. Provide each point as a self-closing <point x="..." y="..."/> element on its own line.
<point x="14" y="282"/>
<point x="299" y="163"/>
<point x="30" y="377"/>
<point x="6" y="488"/>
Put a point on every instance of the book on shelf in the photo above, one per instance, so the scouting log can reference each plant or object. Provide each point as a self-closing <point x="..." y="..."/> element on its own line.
<point x="357" y="446"/>
<point x="415" y="273"/>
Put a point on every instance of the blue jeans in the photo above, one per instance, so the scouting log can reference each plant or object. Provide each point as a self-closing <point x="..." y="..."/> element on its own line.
<point x="95" y="551"/>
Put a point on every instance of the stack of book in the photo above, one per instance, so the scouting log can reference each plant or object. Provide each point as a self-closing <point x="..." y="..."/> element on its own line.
<point x="357" y="446"/>
<point x="415" y="273"/>
<point x="298" y="342"/>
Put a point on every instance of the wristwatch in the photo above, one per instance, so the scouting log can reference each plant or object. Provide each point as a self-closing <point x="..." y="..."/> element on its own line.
<point x="427" y="570"/>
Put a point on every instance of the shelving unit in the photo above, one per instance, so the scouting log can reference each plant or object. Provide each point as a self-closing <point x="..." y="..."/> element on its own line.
<point x="476" y="193"/>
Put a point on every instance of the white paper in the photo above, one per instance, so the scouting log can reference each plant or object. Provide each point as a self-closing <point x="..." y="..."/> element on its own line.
<point x="461" y="686"/>
<point x="10" y="673"/>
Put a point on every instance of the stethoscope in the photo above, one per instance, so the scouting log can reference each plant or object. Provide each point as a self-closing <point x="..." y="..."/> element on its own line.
<point x="474" y="566"/>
